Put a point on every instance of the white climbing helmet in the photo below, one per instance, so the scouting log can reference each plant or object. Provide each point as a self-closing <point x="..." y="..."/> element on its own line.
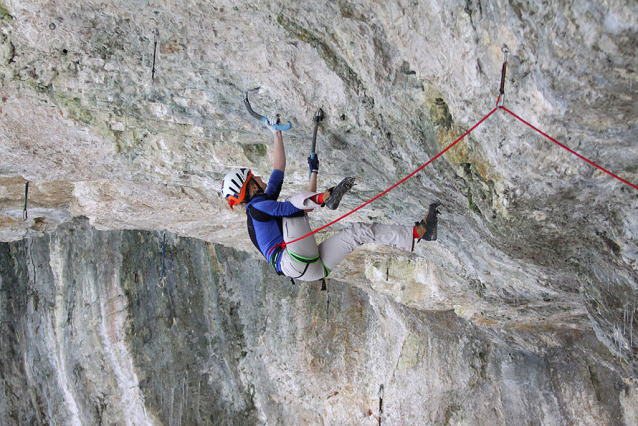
<point x="235" y="186"/>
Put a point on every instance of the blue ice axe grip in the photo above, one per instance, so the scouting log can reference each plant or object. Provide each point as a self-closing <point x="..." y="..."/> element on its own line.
<point x="262" y="118"/>
<point x="278" y="126"/>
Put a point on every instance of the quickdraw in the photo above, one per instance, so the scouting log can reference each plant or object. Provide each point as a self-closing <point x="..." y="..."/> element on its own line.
<point x="25" y="213"/>
<point x="380" y="403"/>
<point x="155" y="37"/>
<point x="501" y="93"/>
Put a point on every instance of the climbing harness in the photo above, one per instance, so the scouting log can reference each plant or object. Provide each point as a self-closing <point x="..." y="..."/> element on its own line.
<point x="308" y="261"/>
<point x="501" y="93"/>
<point x="275" y="257"/>
<point x="155" y="37"/>
<point x="304" y="261"/>
<point x="25" y="213"/>
<point x="263" y="119"/>
<point x="318" y="117"/>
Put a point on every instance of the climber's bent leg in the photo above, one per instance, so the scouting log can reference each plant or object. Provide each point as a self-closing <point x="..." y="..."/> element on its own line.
<point x="304" y="201"/>
<point x="296" y="258"/>
<point x="336" y="248"/>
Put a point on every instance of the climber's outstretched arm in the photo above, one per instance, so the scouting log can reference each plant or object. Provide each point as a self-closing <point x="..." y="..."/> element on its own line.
<point x="313" y="163"/>
<point x="279" y="154"/>
<point x="312" y="185"/>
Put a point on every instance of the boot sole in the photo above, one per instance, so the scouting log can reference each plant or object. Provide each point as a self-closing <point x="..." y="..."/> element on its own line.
<point x="431" y="223"/>
<point x="338" y="192"/>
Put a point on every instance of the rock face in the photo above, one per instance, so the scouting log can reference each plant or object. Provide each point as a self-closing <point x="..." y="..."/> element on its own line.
<point x="522" y="310"/>
<point x="91" y="335"/>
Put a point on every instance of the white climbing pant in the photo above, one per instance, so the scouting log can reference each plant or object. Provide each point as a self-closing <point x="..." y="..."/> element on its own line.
<point x="333" y="250"/>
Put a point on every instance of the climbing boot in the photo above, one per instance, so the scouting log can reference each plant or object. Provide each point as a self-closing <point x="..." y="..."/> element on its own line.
<point x="337" y="192"/>
<point x="426" y="229"/>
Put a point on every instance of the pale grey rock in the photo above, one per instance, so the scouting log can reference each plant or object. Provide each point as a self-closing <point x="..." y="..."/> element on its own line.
<point x="91" y="335"/>
<point x="533" y="242"/>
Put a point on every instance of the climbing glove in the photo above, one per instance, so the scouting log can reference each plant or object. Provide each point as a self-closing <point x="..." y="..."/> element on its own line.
<point x="272" y="120"/>
<point x="313" y="163"/>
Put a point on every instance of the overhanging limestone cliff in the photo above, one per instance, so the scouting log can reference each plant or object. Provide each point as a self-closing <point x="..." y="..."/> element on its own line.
<point x="90" y="335"/>
<point x="532" y="241"/>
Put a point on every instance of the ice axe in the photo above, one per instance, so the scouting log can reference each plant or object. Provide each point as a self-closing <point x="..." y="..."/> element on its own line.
<point x="262" y="118"/>
<point x="317" y="119"/>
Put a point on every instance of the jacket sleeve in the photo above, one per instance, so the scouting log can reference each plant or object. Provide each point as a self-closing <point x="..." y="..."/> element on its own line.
<point x="276" y="208"/>
<point x="274" y="184"/>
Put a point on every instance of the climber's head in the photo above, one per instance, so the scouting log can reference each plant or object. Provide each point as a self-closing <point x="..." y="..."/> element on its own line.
<point x="235" y="186"/>
<point x="239" y="186"/>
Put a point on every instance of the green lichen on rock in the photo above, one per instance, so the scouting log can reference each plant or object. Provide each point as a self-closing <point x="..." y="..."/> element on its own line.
<point x="4" y="13"/>
<point x="73" y="106"/>
<point x="440" y="113"/>
<point x="479" y="190"/>
<point x="255" y="152"/>
<point x="126" y="141"/>
<point x="298" y="31"/>
<point x="410" y="353"/>
<point x="477" y="174"/>
<point x="473" y="207"/>
<point x="7" y="50"/>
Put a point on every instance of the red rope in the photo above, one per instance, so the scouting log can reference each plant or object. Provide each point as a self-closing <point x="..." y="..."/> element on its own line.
<point x="283" y="245"/>
<point x="393" y="186"/>
<point x="568" y="149"/>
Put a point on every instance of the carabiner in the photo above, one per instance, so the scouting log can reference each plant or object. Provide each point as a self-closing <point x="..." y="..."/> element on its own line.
<point x="501" y="93"/>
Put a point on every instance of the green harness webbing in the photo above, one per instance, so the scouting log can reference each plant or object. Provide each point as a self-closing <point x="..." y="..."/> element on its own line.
<point x="273" y="259"/>
<point x="308" y="261"/>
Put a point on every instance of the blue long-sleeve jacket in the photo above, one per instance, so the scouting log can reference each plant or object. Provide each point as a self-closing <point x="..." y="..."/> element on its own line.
<point x="264" y="216"/>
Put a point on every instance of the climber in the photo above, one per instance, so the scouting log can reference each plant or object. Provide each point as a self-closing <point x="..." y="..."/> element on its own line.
<point x="271" y="222"/>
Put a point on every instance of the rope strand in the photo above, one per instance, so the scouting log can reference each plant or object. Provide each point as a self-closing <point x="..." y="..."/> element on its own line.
<point x="283" y="245"/>
<point x="568" y="149"/>
<point x="396" y="184"/>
